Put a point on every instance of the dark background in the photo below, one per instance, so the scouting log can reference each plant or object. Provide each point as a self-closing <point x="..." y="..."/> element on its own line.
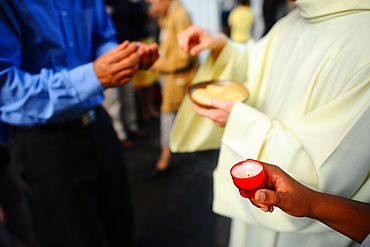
<point x="174" y="210"/>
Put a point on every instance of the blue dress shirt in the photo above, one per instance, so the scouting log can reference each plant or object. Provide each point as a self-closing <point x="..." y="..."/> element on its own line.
<point x="46" y="53"/>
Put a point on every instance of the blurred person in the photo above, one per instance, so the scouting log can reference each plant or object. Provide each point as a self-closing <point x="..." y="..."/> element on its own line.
<point x="258" y="23"/>
<point x="177" y="69"/>
<point x="226" y="7"/>
<point x="241" y="21"/>
<point x="144" y="82"/>
<point x="308" y="110"/>
<point x="56" y="59"/>
<point x="272" y="11"/>
<point x="131" y="22"/>
<point x="349" y="217"/>
<point x="147" y="82"/>
<point x="112" y="103"/>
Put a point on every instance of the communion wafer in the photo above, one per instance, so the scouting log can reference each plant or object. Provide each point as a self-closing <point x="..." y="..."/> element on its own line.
<point x="205" y="95"/>
<point x="213" y="91"/>
<point x="199" y="95"/>
<point x="233" y="95"/>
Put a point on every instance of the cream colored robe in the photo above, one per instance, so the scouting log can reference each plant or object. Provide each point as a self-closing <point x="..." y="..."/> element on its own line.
<point x="308" y="112"/>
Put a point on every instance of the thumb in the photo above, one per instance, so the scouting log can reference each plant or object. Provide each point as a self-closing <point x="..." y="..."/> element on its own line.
<point x="196" y="49"/>
<point x="268" y="197"/>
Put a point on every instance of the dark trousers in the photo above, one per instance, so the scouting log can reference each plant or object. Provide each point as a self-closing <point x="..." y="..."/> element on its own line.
<point x="77" y="184"/>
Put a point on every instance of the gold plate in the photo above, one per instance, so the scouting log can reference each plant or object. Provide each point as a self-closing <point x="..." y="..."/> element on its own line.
<point x="202" y="93"/>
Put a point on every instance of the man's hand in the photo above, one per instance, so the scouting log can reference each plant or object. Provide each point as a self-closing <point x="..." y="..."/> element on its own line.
<point x="148" y="54"/>
<point x="118" y="65"/>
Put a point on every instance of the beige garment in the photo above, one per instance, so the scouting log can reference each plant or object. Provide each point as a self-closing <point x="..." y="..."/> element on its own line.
<point x="177" y="67"/>
<point x="308" y="112"/>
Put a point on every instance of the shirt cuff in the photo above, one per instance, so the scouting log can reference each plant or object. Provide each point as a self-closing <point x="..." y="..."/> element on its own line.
<point x="105" y="47"/>
<point x="85" y="81"/>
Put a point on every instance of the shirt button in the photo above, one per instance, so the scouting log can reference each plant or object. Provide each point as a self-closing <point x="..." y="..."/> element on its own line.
<point x="71" y="44"/>
<point x="64" y="13"/>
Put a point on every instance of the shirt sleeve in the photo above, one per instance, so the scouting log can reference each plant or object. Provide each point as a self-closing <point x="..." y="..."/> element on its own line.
<point x="104" y="31"/>
<point x="27" y="98"/>
<point x="41" y="95"/>
<point x="48" y="93"/>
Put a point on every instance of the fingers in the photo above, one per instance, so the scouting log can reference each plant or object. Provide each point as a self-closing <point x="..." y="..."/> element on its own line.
<point x="219" y="116"/>
<point x="205" y="112"/>
<point x="281" y="190"/>
<point x="268" y="197"/>
<point x="225" y="105"/>
<point x="195" y="39"/>
<point x="121" y="63"/>
<point x="124" y="50"/>
<point x="125" y="76"/>
<point x="114" y="67"/>
<point x="199" y="110"/>
<point x="190" y="41"/>
<point x="125" y="69"/>
<point x="266" y="200"/>
<point x="183" y="40"/>
<point x="148" y="54"/>
<point x="133" y="60"/>
<point x="196" y="49"/>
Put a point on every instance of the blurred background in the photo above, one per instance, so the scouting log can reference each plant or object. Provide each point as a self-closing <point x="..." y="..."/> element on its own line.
<point x="175" y="208"/>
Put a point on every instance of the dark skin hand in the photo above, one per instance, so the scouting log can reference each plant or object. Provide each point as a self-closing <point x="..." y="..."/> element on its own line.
<point x="349" y="217"/>
<point x="120" y="64"/>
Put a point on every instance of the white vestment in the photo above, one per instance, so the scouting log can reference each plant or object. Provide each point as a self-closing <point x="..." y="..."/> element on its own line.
<point x="308" y="112"/>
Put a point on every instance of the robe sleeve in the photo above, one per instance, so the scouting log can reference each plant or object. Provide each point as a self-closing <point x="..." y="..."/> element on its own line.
<point x="326" y="155"/>
<point x="192" y="132"/>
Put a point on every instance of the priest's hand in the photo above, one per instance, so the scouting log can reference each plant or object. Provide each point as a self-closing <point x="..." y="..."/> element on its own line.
<point x="218" y="113"/>
<point x="194" y="39"/>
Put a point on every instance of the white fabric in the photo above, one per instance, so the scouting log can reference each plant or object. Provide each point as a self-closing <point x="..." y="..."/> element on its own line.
<point x="308" y="112"/>
<point x="366" y="242"/>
